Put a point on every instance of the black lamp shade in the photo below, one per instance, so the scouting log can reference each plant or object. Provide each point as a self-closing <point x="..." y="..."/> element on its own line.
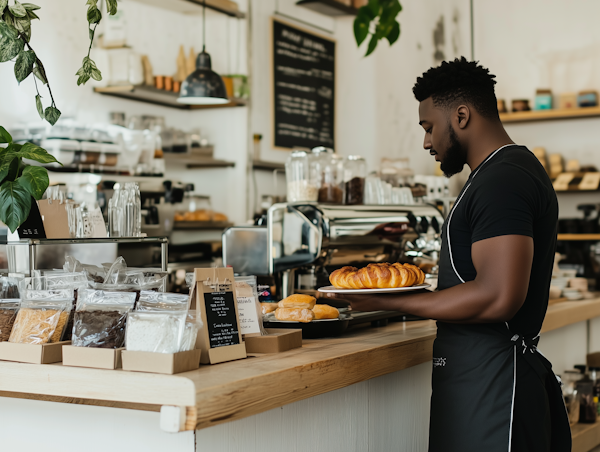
<point x="203" y="86"/>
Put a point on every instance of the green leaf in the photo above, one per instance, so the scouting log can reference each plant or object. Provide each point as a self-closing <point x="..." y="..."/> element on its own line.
<point x="32" y="15"/>
<point x="35" y="180"/>
<point x="3" y="4"/>
<point x="389" y="12"/>
<point x="111" y="7"/>
<point x="15" y="204"/>
<point x="394" y="34"/>
<point x="5" y="137"/>
<point x="18" y="10"/>
<point x="39" y="106"/>
<point x="31" y="6"/>
<point x="96" y="74"/>
<point x="33" y="152"/>
<point x="52" y="114"/>
<point x="23" y="24"/>
<point x="10" y="44"/>
<point x="372" y="8"/>
<point x="13" y="168"/>
<point x="8" y="157"/>
<point x="372" y="45"/>
<point x="40" y="73"/>
<point x="24" y="65"/>
<point x="91" y="33"/>
<point x="94" y="15"/>
<point x="82" y="79"/>
<point x="361" y="29"/>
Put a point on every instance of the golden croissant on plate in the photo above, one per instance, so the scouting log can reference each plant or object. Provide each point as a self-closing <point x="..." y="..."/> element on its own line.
<point x="377" y="276"/>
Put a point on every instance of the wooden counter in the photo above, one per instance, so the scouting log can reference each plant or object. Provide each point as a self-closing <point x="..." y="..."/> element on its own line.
<point x="215" y="394"/>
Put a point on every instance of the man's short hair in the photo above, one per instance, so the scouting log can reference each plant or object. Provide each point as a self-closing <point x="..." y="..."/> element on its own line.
<point x="459" y="81"/>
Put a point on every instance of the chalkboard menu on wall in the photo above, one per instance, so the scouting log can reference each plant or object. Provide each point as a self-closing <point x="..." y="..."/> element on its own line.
<point x="304" y="87"/>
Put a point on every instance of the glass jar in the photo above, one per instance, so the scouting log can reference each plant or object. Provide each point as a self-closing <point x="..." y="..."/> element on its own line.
<point x="355" y="171"/>
<point x="301" y="177"/>
<point x="331" y="172"/>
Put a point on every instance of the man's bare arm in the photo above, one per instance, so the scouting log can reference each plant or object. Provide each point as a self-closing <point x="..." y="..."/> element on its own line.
<point x="503" y="266"/>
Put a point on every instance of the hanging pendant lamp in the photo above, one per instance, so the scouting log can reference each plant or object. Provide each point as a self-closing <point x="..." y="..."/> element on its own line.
<point x="203" y="86"/>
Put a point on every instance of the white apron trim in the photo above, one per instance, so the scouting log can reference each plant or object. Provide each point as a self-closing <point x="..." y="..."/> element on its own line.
<point x="489" y="157"/>
<point x="512" y="407"/>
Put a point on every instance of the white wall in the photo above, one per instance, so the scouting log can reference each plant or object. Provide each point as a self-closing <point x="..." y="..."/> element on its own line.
<point x="545" y="44"/>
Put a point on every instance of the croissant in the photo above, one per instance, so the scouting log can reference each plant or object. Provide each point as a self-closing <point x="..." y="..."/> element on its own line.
<point x="377" y="276"/>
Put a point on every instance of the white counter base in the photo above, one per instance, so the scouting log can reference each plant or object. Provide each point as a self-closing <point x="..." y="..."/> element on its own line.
<point x="388" y="411"/>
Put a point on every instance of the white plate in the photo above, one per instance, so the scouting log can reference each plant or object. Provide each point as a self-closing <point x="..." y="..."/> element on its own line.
<point x="331" y="289"/>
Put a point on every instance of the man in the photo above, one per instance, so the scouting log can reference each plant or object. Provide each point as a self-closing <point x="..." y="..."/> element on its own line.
<point x="492" y="390"/>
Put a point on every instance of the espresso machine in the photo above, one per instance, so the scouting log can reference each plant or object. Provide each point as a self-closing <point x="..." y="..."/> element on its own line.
<point x="302" y="243"/>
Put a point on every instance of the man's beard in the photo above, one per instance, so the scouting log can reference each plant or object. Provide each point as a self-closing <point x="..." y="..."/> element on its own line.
<point x="455" y="157"/>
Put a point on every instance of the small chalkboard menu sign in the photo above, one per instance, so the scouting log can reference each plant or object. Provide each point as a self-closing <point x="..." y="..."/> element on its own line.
<point x="304" y="87"/>
<point x="220" y="339"/>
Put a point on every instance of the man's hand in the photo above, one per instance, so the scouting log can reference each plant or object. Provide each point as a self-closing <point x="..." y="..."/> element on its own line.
<point x="503" y="266"/>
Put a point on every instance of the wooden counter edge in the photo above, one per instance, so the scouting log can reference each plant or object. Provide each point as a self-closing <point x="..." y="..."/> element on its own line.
<point x="250" y="396"/>
<point x="570" y="312"/>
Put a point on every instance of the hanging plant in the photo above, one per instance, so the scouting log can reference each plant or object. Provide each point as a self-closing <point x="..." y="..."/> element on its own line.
<point x="378" y="19"/>
<point x="20" y="182"/>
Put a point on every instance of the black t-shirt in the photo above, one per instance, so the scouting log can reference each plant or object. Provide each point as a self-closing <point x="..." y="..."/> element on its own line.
<point x="508" y="194"/>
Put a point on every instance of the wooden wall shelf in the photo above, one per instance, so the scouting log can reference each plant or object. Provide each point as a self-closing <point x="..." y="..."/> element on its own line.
<point x="268" y="166"/>
<point x="197" y="162"/>
<point x="328" y="7"/>
<point x="548" y="115"/>
<point x="195" y="6"/>
<point x="151" y="95"/>
<point x="578" y="237"/>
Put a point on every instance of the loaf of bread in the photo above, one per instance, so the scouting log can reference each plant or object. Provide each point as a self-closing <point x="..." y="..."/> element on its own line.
<point x="324" y="311"/>
<point x="377" y="276"/>
<point x="294" y="315"/>
<point x="298" y="301"/>
<point x="268" y="307"/>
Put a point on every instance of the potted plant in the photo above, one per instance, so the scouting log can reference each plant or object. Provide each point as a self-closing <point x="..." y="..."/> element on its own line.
<point x="19" y="182"/>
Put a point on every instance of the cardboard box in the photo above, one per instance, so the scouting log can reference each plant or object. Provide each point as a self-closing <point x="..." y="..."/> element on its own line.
<point x="593" y="359"/>
<point x="32" y="353"/>
<point x="279" y="340"/>
<point x="97" y="358"/>
<point x="161" y="363"/>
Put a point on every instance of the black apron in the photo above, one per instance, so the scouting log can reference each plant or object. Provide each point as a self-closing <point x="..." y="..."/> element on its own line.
<point x="478" y="372"/>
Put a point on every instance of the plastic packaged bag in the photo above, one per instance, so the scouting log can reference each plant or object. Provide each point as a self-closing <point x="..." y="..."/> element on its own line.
<point x="101" y="317"/>
<point x="59" y="280"/>
<point x="161" y="301"/>
<point x="156" y="331"/>
<point x="93" y="272"/>
<point x="9" y="287"/>
<point x="247" y="298"/>
<point x="8" y="314"/>
<point x="42" y="316"/>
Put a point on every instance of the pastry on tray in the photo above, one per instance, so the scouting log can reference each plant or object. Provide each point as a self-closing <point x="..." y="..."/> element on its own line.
<point x="324" y="311"/>
<point x="294" y="315"/>
<point x="298" y="300"/>
<point x="377" y="276"/>
<point x="266" y="308"/>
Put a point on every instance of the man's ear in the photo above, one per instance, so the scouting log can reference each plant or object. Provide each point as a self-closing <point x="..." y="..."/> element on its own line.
<point x="464" y="114"/>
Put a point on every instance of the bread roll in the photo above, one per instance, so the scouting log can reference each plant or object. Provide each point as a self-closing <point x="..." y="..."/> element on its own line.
<point x="377" y="276"/>
<point x="324" y="311"/>
<point x="294" y="315"/>
<point x="268" y="307"/>
<point x="298" y="301"/>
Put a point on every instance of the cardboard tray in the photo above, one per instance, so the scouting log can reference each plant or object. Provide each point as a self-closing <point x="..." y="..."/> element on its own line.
<point x="161" y="363"/>
<point x="32" y="353"/>
<point x="278" y="340"/>
<point x="97" y="358"/>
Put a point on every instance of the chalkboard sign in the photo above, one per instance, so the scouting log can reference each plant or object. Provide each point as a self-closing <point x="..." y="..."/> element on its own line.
<point x="221" y="318"/>
<point x="304" y="87"/>
<point x="33" y="226"/>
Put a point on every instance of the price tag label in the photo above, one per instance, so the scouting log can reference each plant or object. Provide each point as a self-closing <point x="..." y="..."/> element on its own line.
<point x="590" y="181"/>
<point x="561" y="183"/>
